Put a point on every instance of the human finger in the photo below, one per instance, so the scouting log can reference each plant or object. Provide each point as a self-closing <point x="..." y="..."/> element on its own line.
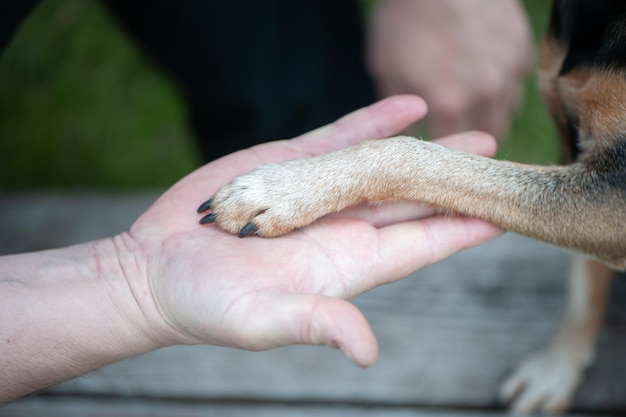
<point x="382" y="119"/>
<point x="476" y="142"/>
<point x="384" y="214"/>
<point x="407" y="247"/>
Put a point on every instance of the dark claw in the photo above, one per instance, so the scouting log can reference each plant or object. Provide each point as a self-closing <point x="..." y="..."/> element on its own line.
<point x="205" y="206"/>
<point x="248" y="229"/>
<point x="209" y="218"/>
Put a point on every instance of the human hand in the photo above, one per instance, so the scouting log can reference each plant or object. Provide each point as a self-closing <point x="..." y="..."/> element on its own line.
<point x="466" y="58"/>
<point x="211" y="287"/>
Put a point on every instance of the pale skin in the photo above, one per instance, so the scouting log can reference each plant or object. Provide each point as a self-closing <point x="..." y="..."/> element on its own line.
<point x="169" y="280"/>
<point x="466" y="58"/>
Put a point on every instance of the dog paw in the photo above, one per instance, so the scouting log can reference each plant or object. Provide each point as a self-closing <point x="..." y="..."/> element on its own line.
<point x="545" y="382"/>
<point x="271" y="201"/>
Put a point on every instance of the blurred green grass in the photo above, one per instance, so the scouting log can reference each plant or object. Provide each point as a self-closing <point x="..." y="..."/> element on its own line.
<point x="80" y="106"/>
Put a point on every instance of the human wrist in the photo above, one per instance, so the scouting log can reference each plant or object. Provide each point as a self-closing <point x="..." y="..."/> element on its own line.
<point x="70" y="311"/>
<point x="129" y="274"/>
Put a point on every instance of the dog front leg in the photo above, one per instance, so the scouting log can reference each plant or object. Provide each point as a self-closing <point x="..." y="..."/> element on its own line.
<point x="579" y="206"/>
<point x="547" y="380"/>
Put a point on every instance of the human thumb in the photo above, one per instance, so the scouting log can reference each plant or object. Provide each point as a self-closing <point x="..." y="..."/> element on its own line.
<point x="322" y="320"/>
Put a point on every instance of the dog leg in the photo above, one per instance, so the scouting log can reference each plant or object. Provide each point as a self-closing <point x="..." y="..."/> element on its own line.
<point x="579" y="206"/>
<point x="547" y="380"/>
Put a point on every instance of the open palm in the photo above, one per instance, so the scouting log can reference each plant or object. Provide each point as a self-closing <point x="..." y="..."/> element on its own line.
<point x="254" y="293"/>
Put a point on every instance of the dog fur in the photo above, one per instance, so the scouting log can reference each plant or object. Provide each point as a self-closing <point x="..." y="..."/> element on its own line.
<point x="579" y="206"/>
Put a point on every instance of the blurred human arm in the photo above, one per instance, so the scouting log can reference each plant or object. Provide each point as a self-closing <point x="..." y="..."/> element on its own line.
<point x="466" y="58"/>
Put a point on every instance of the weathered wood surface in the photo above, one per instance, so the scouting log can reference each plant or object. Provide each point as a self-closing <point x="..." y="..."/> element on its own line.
<point x="448" y="334"/>
<point x="88" y="407"/>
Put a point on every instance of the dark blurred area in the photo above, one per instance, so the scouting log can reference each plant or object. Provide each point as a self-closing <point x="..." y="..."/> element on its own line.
<point x="137" y="94"/>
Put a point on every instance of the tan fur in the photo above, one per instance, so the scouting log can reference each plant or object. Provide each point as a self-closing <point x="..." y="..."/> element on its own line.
<point x="595" y="98"/>
<point x="598" y="100"/>
<point x="555" y="204"/>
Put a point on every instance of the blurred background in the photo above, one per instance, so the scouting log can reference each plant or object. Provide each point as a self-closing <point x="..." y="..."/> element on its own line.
<point x="82" y="107"/>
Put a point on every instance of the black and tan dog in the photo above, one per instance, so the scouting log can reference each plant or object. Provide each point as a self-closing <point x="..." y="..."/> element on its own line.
<point x="580" y="206"/>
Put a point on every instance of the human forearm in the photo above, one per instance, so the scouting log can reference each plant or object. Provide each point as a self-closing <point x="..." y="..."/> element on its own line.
<point x="67" y="312"/>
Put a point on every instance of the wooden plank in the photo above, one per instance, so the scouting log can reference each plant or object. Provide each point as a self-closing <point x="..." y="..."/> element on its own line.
<point x="32" y="221"/>
<point x="448" y="334"/>
<point x="90" y="407"/>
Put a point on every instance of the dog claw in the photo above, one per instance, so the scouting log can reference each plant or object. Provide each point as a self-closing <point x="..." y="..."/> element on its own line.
<point x="205" y="206"/>
<point x="209" y="218"/>
<point x="248" y="229"/>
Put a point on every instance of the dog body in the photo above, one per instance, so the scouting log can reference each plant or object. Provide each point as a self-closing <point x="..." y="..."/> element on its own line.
<point x="582" y="78"/>
<point x="580" y="206"/>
